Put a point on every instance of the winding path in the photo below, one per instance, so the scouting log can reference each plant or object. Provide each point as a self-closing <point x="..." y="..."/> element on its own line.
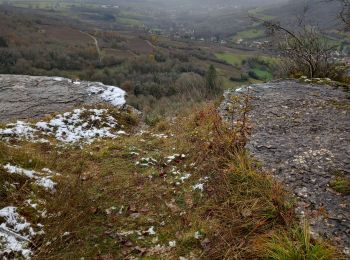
<point x="96" y="44"/>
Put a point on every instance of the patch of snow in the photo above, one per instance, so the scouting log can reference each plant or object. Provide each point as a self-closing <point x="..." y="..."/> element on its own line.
<point x="15" y="169"/>
<point x="160" y="136"/>
<point x="199" y="186"/>
<point x="31" y="203"/>
<point x="40" y="178"/>
<point x="15" y="234"/>
<point x="174" y="157"/>
<point x="18" y="129"/>
<point x="185" y="177"/>
<point x="172" y="243"/>
<point x="197" y="235"/>
<point x="129" y="233"/>
<point x="145" y="162"/>
<point x="58" y="79"/>
<point x="110" y="210"/>
<point x="110" y="94"/>
<point x="151" y="231"/>
<point x="46" y="183"/>
<point x="83" y="125"/>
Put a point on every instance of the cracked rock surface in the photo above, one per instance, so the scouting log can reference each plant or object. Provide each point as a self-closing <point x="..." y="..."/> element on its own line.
<point x="301" y="134"/>
<point x="23" y="97"/>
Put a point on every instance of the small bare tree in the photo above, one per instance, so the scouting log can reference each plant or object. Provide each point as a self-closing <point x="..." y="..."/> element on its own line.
<point x="305" y="49"/>
<point x="345" y="13"/>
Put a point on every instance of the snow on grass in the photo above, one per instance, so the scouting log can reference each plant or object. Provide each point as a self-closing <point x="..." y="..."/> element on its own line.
<point x="172" y="243"/>
<point x="148" y="161"/>
<point x="110" y="94"/>
<point x="14" y="169"/>
<point x="180" y="177"/>
<point x="160" y="136"/>
<point x="198" y="235"/>
<point x="171" y="158"/>
<point x="40" y="178"/>
<point x="15" y="234"/>
<point x="200" y="185"/>
<point x="46" y="183"/>
<point x="20" y="128"/>
<point x="80" y="125"/>
<point x="151" y="231"/>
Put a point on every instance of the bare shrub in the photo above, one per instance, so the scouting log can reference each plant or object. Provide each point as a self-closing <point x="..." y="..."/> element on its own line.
<point x="306" y="51"/>
<point x="304" y="48"/>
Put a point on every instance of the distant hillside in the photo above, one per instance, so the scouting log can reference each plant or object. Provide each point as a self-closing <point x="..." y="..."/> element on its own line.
<point x="321" y="13"/>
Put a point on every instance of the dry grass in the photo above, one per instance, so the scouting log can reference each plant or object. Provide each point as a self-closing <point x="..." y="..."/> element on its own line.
<point x="103" y="193"/>
<point x="242" y="203"/>
<point x="296" y="243"/>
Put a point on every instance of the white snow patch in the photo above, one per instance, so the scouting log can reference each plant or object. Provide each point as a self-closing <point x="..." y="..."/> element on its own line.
<point x="15" y="234"/>
<point x="199" y="186"/>
<point x="15" y="169"/>
<point x="197" y="235"/>
<point x="46" y="183"/>
<point x="19" y="129"/>
<point x="110" y="94"/>
<point x="83" y="125"/>
<point x="58" y="79"/>
<point x="147" y="161"/>
<point x="39" y="177"/>
<point x="160" y="136"/>
<point x="151" y="231"/>
<point x="175" y="157"/>
<point x="172" y="243"/>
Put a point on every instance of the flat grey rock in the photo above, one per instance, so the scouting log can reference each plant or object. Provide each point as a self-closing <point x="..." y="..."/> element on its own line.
<point x="24" y="97"/>
<point x="301" y="134"/>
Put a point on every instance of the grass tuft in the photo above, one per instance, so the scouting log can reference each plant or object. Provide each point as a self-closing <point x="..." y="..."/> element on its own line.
<point x="296" y="243"/>
<point x="341" y="185"/>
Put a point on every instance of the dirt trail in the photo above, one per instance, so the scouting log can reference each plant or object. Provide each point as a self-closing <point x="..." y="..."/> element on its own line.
<point x="151" y="44"/>
<point x="96" y="44"/>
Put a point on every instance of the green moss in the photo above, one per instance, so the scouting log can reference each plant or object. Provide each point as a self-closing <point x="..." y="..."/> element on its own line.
<point x="341" y="185"/>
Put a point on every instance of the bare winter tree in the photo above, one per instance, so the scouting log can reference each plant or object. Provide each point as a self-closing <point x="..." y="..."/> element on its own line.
<point x="306" y="51"/>
<point x="345" y="13"/>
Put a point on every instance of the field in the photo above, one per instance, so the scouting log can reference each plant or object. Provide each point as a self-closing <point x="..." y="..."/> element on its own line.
<point x="250" y="34"/>
<point x="233" y="59"/>
<point x="255" y="66"/>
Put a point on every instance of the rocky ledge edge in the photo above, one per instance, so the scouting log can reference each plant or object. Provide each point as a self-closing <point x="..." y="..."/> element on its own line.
<point x="25" y="97"/>
<point x="300" y="133"/>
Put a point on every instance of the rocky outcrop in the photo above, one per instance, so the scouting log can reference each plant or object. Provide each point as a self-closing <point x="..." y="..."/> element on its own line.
<point x="301" y="134"/>
<point x="23" y="97"/>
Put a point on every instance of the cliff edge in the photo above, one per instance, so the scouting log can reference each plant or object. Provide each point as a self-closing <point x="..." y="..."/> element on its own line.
<point x="24" y="97"/>
<point x="300" y="133"/>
